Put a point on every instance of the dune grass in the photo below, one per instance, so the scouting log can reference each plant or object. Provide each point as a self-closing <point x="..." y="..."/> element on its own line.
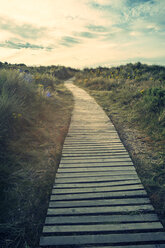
<point x="133" y="96"/>
<point x="35" y="113"/>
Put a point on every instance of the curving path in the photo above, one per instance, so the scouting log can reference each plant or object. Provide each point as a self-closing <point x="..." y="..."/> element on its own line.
<point x="98" y="199"/>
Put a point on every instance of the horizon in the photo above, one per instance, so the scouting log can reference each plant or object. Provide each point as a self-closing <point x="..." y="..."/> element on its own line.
<point x="82" y="34"/>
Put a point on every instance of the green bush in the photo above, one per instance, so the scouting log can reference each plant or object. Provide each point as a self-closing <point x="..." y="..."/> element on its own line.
<point x="154" y="99"/>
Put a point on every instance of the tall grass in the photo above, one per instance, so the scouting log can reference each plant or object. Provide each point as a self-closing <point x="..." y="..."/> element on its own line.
<point x="34" y="117"/>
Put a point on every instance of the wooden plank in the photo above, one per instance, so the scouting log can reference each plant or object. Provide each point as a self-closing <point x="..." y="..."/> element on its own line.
<point x="96" y="155"/>
<point x="97" y="184"/>
<point x="77" y="133"/>
<point x="93" y="136"/>
<point x="94" y="174"/>
<point x="97" y="189"/>
<point x="80" y="126"/>
<point x="100" y="210"/>
<point x="102" y="136"/>
<point x="102" y="202"/>
<point x="96" y="179"/>
<point x="93" y="145"/>
<point x="93" y="150"/>
<point x="106" y="141"/>
<point x="108" y="136"/>
<point x="89" y="139"/>
<point x="104" y="239"/>
<point x="142" y="217"/>
<point x="109" y="142"/>
<point x="88" y="130"/>
<point x="95" y="169"/>
<point x="115" y="140"/>
<point x="102" y="227"/>
<point x="84" y="130"/>
<point x="98" y="195"/>
<point x="100" y="165"/>
<point x="96" y="160"/>
<point x="81" y="168"/>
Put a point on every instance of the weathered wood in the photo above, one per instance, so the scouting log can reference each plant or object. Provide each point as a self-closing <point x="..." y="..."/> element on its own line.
<point x="96" y="184"/>
<point x="98" y="155"/>
<point x="110" y="142"/>
<point x="97" y="189"/>
<point x="93" y="139"/>
<point x="102" y="195"/>
<point x="94" y="174"/>
<point x="126" y="218"/>
<point x="95" y="169"/>
<point x="94" y="151"/>
<point x="96" y="179"/>
<point x="95" y="160"/>
<point x="95" y="145"/>
<point x="102" y="228"/>
<point x="104" y="239"/>
<point x="103" y="136"/>
<point x="95" y="164"/>
<point x="95" y="154"/>
<point x="100" y="210"/>
<point x="102" y="202"/>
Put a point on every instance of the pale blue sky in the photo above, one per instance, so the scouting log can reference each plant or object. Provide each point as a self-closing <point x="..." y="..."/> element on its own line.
<point x="82" y="33"/>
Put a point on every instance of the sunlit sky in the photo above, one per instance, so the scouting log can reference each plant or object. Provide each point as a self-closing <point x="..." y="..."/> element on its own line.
<point x="82" y="33"/>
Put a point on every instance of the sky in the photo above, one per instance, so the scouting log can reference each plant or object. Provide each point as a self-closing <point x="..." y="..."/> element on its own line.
<point x="82" y="33"/>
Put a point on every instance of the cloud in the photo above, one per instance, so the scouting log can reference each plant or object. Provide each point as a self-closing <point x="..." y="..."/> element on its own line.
<point x="88" y="35"/>
<point x="69" y="41"/>
<point x="25" y="30"/>
<point x="96" y="28"/>
<point x="139" y="2"/>
<point x="14" y="45"/>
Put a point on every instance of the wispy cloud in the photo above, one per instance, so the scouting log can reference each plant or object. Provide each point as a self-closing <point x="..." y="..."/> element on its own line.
<point x="23" y="30"/>
<point x="19" y="45"/>
<point x="88" y="35"/>
<point x="134" y="3"/>
<point x="96" y="28"/>
<point x="69" y="41"/>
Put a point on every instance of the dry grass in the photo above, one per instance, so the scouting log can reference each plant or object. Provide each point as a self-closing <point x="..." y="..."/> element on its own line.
<point x="37" y="150"/>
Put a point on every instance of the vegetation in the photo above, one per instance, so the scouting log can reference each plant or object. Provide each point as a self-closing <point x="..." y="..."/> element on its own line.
<point x="133" y="96"/>
<point x="35" y="111"/>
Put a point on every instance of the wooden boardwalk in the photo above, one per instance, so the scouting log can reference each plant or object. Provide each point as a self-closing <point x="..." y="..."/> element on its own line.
<point x="98" y="199"/>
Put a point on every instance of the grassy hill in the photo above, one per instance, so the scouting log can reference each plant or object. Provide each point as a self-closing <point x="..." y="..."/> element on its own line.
<point x="35" y="111"/>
